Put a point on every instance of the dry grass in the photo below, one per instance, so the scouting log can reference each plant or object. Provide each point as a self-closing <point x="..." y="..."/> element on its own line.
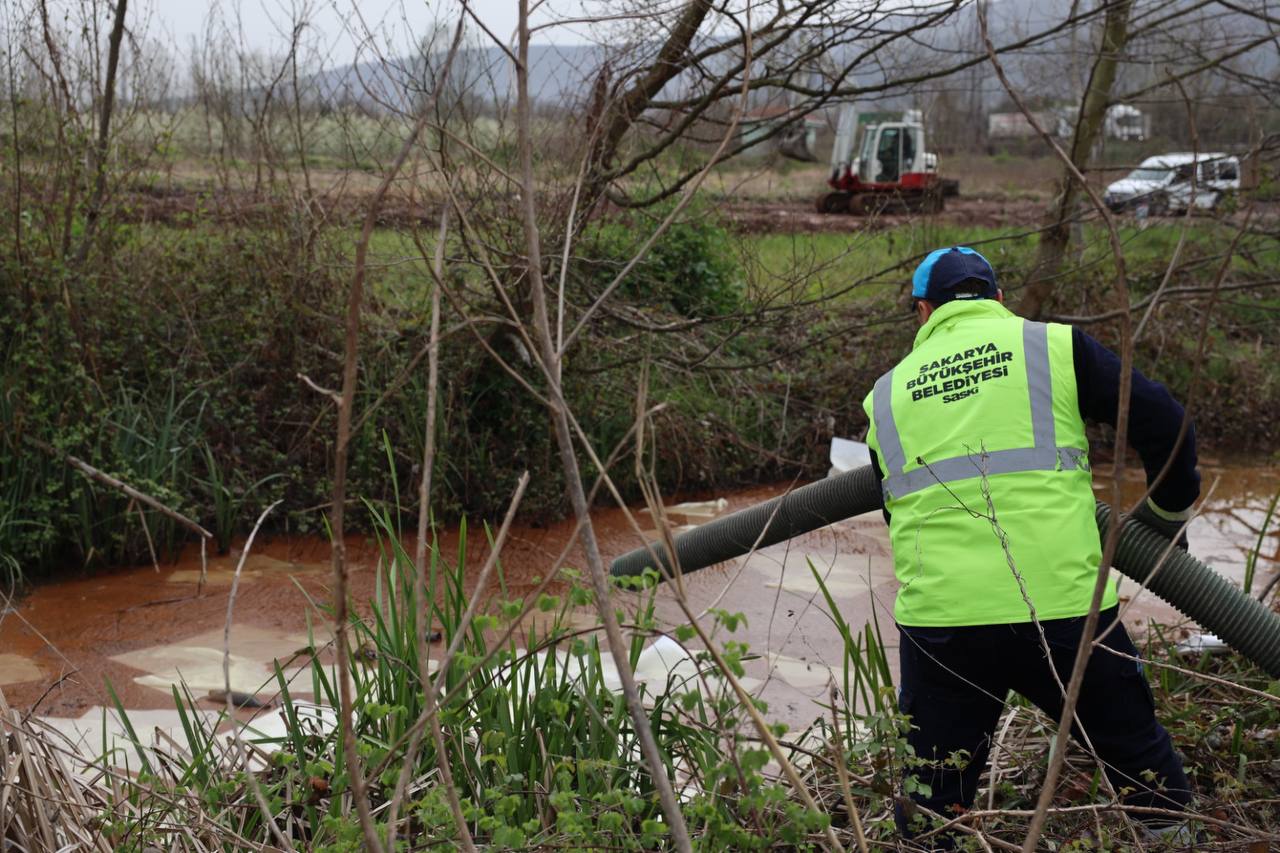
<point x="44" y="803"/>
<point x="1002" y="176"/>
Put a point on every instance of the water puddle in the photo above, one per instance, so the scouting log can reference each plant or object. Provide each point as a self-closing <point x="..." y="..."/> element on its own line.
<point x="1229" y="527"/>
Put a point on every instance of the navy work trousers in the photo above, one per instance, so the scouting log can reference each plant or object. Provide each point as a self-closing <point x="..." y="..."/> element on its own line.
<point x="953" y="685"/>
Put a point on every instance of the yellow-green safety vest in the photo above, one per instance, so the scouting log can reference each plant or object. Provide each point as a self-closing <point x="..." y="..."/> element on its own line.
<point x="986" y="475"/>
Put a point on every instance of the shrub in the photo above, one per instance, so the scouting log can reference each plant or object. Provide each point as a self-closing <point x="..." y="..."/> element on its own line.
<point x="182" y="379"/>
<point x="690" y="268"/>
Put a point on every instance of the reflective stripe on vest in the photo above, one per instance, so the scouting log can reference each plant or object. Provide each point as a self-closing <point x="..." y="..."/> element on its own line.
<point x="1044" y="456"/>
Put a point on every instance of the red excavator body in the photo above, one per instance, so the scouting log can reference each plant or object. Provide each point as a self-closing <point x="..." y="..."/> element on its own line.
<point x="892" y="172"/>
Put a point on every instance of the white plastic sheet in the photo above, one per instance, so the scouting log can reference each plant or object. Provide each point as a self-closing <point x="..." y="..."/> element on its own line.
<point x="847" y="455"/>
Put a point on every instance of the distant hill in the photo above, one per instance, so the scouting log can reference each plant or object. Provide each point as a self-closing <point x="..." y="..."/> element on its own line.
<point x="1055" y="69"/>
<point x="557" y="73"/>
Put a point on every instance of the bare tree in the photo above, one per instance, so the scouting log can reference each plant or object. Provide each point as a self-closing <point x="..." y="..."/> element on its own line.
<point x="1055" y="239"/>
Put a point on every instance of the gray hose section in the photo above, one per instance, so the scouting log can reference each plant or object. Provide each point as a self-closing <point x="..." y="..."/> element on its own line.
<point x="1241" y="621"/>
<point x="1247" y="625"/>
<point x="799" y="511"/>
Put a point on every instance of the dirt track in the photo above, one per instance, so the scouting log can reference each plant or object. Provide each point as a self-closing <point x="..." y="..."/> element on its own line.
<point x="798" y="217"/>
<point x="801" y="217"/>
<point x="184" y="206"/>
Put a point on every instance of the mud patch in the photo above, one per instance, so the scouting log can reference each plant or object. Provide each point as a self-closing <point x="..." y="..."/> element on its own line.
<point x="15" y="669"/>
<point x="801" y="217"/>
<point x="221" y="572"/>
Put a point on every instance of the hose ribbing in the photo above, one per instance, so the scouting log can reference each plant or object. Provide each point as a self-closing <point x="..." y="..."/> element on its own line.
<point x="1247" y="625"/>
<point x="1241" y="621"/>
<point x="800" y="511"/>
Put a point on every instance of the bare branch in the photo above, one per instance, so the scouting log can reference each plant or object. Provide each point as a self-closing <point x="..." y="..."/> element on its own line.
<point x="338" y="509"/>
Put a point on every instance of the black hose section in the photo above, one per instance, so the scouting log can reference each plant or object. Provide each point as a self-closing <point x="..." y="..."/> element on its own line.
<point x="1247" y="625"/>
<point x="799" y="511"/>
<point x="1241" y="621"/>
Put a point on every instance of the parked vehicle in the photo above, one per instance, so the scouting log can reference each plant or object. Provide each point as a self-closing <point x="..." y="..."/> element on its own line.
<point x="1122" y="122"/>
<point x="1015" y="125"/>
<point x="1126" y="122"/>
<point x="1172" y="183"/>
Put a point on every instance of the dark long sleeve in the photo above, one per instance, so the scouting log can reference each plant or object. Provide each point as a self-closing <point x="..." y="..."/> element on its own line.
<point x="1155" y="419"/>
<point x="875" y="467"/>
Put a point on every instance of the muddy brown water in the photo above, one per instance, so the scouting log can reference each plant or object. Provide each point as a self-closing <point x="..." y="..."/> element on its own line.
<point x="70" y="630"/>
<point x="58" y="643"/>
<point x="1237" y="497"/>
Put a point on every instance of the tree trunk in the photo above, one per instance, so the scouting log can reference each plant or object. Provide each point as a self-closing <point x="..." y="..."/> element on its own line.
<point x="104" y="136"/>
<point x="616" y="118"/>
<point x="1056" y="239"/>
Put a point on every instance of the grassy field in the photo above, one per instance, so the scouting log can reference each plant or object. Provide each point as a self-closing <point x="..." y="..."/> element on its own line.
<point x="869" y="264"/>
<point x="875" y="262"/>
<point x="183" y="313"/>
<point x="765" y="179"/>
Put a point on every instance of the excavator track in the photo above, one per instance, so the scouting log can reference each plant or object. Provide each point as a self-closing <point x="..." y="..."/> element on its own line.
<point x="836" y="202"/>
<point x="878" y="203"/>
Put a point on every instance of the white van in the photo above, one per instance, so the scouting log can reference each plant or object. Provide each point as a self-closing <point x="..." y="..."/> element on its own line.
<point x="1163" y="184"/>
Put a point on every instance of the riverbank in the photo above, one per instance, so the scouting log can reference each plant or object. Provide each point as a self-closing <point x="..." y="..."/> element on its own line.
<point x="161" y="639"/>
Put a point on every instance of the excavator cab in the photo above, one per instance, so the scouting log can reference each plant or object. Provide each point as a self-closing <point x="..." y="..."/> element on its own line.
<point x="888" y="152"/>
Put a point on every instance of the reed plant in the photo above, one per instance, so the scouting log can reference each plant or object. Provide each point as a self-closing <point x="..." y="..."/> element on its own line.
<point x="543" y="755"/>
<point x="150" y="439"/>
<point x="226" y="497"/>
<point x="1251" y="559"/>
<point x="541" y="747"/>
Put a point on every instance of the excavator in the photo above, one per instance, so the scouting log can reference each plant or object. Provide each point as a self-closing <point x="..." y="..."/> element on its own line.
<point x="892" y="173"/>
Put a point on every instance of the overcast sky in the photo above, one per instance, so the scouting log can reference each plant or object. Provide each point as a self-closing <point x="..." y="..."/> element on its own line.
<point x="398" y="22"/>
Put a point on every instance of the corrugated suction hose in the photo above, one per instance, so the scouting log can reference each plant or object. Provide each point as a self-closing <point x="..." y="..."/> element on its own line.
<point x="1245" y="624"/>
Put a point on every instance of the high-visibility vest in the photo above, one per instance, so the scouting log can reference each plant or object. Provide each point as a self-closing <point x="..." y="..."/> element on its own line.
<point x="986" y="475"/>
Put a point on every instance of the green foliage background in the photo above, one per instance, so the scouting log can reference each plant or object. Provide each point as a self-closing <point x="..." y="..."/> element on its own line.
<point x="183" y="380"/>
<point x="179" y="370"/>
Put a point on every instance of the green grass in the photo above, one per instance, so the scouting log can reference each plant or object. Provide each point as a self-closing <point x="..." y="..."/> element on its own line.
<point x="875" y="266"/>
<point x="1251" y="560"/>
<point x="880" y="263"/>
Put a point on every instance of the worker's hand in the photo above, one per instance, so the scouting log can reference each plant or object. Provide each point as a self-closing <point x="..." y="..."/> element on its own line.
<point x="1167" y="524"/>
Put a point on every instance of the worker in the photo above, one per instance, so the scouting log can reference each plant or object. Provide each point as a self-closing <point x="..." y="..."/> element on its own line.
<point x="978" y="436"/>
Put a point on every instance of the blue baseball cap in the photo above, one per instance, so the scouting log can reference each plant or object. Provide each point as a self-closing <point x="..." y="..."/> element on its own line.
<point x="943" y="269"/>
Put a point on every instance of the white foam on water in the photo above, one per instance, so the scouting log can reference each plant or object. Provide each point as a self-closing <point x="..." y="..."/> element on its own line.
<point x="101" y="732"/>
<point x="15" y="669"/>
<point x="197" y="660"/>
<point x="801" y="674"/>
